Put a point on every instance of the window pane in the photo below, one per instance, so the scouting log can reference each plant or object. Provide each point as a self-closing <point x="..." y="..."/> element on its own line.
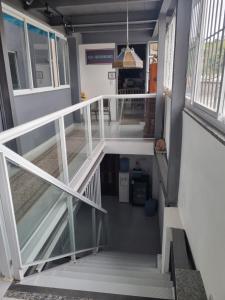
<point x="169" y="54"/>
<point x="61" y="60"/>
<point x="54" y="59"/>
<point x="39" y="52"/>
<point x="15" y="40"/>
<point x="206" y="54"/>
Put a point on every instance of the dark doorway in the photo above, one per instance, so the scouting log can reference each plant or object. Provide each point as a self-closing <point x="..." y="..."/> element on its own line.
<point x="109" y="170"/>
<point x="132" y="81"/>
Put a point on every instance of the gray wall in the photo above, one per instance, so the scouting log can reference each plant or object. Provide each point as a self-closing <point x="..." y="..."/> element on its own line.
<point x="116" y="37"/>
<point x="33" y="106"/>
<point x="202" y="204"/>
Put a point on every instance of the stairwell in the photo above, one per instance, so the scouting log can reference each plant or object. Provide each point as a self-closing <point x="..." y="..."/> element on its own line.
<point x="108" y="274"/>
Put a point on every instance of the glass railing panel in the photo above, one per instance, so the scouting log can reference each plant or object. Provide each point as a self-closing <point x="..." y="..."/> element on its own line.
<point x="130" y="118"/>
<point x="76" y="140"/>
<point x="42" y="147"/>
<point x="95" y="123"/>
<point x="32" y="208"/>
<point x="83" y="226"/>
<point x="60" y="241"/>
<point x="101" y="230"/>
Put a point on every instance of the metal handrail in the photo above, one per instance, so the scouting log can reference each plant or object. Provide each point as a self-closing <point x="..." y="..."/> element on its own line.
<point x="17" y="131"/>
<point x="29" y="166"/>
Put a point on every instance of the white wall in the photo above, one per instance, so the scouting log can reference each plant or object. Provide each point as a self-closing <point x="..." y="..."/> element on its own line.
<point x="144" y="162"/>
<point x="94" y="78"/>
<point x="167" y="120"/>
<point x="161" y="207"/>
<point x="202" y="203"/>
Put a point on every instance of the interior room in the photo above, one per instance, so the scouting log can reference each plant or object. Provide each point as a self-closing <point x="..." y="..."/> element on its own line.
<point x="112" y="135"/>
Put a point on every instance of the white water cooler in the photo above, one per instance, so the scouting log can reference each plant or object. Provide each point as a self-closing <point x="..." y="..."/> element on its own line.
<point x="124" y="187"/>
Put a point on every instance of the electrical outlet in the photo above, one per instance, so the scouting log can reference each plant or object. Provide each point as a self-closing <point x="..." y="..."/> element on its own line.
<point x="211" y="297"/>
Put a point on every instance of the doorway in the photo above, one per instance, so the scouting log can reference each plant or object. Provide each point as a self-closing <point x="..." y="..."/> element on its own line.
<point x="132" y="81"/>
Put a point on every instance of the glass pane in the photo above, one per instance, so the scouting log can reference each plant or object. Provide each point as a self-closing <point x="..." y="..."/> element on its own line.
<point x="15" y="41"/>
<point x="42" y="147"/>
<point x="83" y="226"/>
<point x="54" y="59"/>
<point x="76" y="140"/>
<point x="95" y="123"/>
<point x="59" y="242"/>
<point x="101" y="228"/>
<point x="32" y="202"/>
<point x="67" y="63"/>
<point x="61" y="47"/>
<point x="134" y="118"/>
<point x="40" y="60"/>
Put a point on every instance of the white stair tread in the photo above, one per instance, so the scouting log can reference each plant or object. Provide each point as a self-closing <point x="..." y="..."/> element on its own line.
<point x="119" y="261"/>
<point x="117" y="265"/>
<point x="154" y="273"/>
<point x="127" y="256"/>
<point x="110" y="278"/>
<point x="99" y="286"/>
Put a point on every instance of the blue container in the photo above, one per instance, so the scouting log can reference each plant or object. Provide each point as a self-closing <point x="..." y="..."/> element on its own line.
<point x="124" y="165"/>
<point x="151" y="207"/>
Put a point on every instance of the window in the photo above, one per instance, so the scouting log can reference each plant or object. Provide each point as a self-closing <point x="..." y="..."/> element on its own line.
<point x="62" y="61"/>
<point x="205" y="76"/>
<point x="193" y="44"/>
<point x="54" y="59"/>
<point x="169" y="54"/>
<point x="13" y="63"/>
<point x="15" y="40"/>
<point x="40" y="56"/>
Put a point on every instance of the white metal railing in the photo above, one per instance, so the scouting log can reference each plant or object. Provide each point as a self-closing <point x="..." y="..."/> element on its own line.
<point x="27" y="173"/>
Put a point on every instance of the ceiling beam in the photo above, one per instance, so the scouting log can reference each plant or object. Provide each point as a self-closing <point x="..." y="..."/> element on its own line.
<point x="93" y="30"/>
<point x="114" y="17"/>
<point x="112" y="23"/>
<point x="61" y="3"/>
<point x="91" y="20"/>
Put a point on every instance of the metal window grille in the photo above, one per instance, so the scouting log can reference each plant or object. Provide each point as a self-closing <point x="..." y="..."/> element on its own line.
<point x="169" y="54"/>
<point x="205" y="75"/>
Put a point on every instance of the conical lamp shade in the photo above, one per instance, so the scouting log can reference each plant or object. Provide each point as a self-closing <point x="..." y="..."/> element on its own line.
<point x="128" y="59"/>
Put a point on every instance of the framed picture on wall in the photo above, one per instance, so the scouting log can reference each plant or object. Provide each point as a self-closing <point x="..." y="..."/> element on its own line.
<point x="99" y="56"/>
<point x="112" y="75"/>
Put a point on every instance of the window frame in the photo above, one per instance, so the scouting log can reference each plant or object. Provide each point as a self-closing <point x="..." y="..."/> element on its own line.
<point x="16" y="66"/>
<point x="215" y="118"/>
<point x="169" y="53"/>
<point x="26" y="19"/>
<point x="64" y="60"/>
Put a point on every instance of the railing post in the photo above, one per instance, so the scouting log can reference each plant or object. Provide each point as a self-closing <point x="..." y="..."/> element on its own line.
<point x="99" y="234"/>
<point x="94" y="229"/>
<point x="89" y="133"/>
<point x="101" y="117"/>
<point x="10" y="220"/>
<point x="66" y="180"/>
<point x="63" y="150"/>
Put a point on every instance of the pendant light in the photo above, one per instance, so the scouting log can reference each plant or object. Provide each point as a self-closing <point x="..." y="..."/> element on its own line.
<point x="128" y="59"/>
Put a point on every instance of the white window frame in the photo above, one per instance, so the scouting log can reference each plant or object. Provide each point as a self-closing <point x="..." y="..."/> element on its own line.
<point x="26" y="19"/>
<point x="64" y="60"/>
<point x="169" y="53"/>
<point x="217" y="117"/>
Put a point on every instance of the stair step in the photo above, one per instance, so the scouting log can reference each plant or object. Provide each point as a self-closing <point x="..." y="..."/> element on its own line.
<point x="100" y="286"/>
<point x="128" y="256"/>
<point x="153" y="273"/>
<point x="116" y="265"/>
<point x="160" y="282"/>
<point x="119" y="261"/>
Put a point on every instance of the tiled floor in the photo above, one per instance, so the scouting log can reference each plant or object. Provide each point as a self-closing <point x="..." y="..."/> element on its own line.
<point x="4" y="285"/>
<point x="130" y="229"/>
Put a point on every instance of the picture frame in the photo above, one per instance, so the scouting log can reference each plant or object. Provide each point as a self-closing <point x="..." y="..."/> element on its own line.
<point x="111" y="75"/>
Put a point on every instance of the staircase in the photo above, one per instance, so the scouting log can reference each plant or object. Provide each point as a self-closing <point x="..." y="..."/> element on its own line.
<point x="106" y="272"/>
